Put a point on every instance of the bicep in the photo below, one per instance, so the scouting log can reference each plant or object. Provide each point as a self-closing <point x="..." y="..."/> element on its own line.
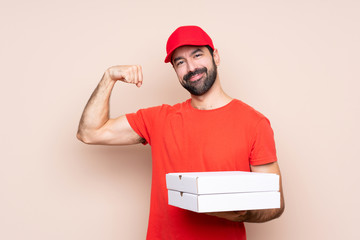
<point x="266" y="168"/>
<point x="117" y="131"/>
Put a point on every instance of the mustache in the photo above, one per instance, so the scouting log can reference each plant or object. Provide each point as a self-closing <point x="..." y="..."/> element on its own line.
<point x="197" y="71"/>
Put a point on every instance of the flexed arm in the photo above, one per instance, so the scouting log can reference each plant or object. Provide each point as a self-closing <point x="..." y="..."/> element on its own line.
<point x="95" y="125"/>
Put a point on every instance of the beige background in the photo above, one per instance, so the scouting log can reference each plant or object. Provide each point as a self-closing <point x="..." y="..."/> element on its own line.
<point x="297" y="62"/>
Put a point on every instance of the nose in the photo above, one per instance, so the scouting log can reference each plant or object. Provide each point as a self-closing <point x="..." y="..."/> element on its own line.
<point x="191" y="66"/>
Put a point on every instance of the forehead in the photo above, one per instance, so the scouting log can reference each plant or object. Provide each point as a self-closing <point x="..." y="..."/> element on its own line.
<point x="186" y="50"/>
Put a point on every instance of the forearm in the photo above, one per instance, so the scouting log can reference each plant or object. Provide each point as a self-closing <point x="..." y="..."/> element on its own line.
<point x="96" y="112"/>
<point x="259" y="216"/>
<point x="267" y="214"/>
<point x="254" y="216"/>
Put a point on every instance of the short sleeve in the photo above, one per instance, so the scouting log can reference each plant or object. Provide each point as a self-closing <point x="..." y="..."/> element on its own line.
<point x="142" y="122"/>
<point x="263" y="145"/>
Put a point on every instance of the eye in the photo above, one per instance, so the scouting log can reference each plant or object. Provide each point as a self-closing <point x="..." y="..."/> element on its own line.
<point x="178" y="63"/>
<point x="198" y="55"/>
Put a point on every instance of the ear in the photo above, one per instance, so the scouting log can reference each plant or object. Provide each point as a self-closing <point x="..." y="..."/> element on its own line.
<point x="216" y="57"/>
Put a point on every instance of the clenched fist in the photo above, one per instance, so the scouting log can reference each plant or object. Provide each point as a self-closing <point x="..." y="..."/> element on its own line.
<point x="126" y="73"/>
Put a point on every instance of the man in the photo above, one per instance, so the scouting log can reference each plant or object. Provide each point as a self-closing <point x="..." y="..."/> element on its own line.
<point x="209" y="132"/>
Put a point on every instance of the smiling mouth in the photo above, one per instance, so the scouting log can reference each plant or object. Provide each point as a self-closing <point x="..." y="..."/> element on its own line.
<point x="196" y="77"/>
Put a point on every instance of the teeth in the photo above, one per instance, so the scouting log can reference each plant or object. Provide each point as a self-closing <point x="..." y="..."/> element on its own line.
<point x="196" y="77"/>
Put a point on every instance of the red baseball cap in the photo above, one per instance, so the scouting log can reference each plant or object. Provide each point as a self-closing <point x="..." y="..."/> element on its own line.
<point x="186" y="35"/>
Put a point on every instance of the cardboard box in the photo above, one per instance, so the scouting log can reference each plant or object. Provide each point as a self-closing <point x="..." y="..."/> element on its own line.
<point x="223" y="191"/>
<point x="222" y="182"/>
<point x="224" y="202"/>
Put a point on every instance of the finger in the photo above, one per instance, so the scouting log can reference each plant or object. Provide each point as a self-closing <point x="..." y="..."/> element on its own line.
<point x="240" y="213"/>
<point x="228" y="215"/>
<point x="210" y="214"/>
<point x="140" y="76"/>
<point x="136" y="74"/>
<point x="130" y="75"/>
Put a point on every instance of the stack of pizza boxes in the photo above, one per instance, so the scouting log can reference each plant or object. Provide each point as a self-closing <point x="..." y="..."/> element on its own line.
<point x="223" y="191"/>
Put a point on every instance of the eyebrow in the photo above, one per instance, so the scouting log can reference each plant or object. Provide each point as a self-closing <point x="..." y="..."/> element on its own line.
<point x="195" y="51"/>
<point x="177" y="59"/>
<point x="192" y="53"/>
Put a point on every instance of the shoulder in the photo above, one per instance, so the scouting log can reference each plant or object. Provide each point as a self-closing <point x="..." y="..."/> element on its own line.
<point x="246" y="110"/>
<point x="162" y="110"/>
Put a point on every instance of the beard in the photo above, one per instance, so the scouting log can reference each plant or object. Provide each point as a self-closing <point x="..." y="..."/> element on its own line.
<point x="202" y="85"/>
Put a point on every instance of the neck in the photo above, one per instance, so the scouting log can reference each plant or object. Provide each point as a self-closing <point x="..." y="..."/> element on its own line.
<point x="212" y="99"/>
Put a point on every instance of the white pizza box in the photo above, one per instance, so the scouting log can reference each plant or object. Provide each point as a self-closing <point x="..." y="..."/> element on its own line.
<point x="224" y="202"/>
<point x="222" y="182"/>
